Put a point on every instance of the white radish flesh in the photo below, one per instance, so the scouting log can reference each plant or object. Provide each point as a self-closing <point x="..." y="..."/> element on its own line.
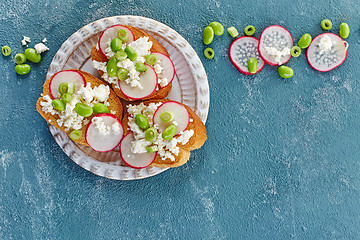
<point x="65" y="76"/>
<point x="168" y="68"/>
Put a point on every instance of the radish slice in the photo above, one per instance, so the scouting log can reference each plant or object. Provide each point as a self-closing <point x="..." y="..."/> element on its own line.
<point x="104" y="143"/>
<point x="134" y="160"/>
<point x="181" y="117"/>
<point x="111" y="33"/>
<point x="275" y="45"/>
<point x="65" y="76"/>
<point x="323" y="60"/>
<point x="168" y="68"/>
<point x="148" y="81"/>
<point x="241" y="50"/>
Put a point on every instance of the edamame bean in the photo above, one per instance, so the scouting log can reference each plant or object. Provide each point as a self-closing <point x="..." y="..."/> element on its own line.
<point x="58" y="104"/>
<point x="122" y="74"/>
<point x="152" y="149"/>
<point x="217" y="27"/>
<point x="285" y="72"/>
<point x="63" y="88"/>
<point x="6" y="50"/>
<point x="233" y="31"/>
<point x="112" y="67"/>
<point x="120" y="55"/>
<point x="66" y="98"/>
<point x="83" y="110"/>
<point x="209" y="53"/>
<point x="208" y="35"/>
<point x="116" y="44"/>
<point x="166" y="116"/>
<point x="249" y="30"/>
<point x="75" y="135"/>
<point x="132" y="54"/>
<point x="305" y="41"/>
<point x="20" y="58"/>
<point x="22" y="69"/>
<point x="326" y="24"/>
<point x="344" y="30"/>
<point x="295" y="51"/>
<point x="123" y="35"/>
<point x="140" y="67"/>
<point x="252" y="65"/>
<point x="169" y="132"/>
<point x="141" y="121"/>
<point x="151" y="59"/>
<point x="32" y="55"/>
<point x="100" y="108"/>
<point x="151" y="134"/>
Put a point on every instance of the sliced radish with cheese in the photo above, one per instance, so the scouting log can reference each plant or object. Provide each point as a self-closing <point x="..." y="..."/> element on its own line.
<point x="148" y="81"/>
<point x="134" y="160"/>
<point x="100" y="142"/>
<point x="275" y="44"/>
<point x="181" y="117"/>
<point x="111" y="33"/>
<point x="241" y="50"/>
<point x="168" y="68"/>
<point x="326" y="52"/>
<point x="65" y="76"/>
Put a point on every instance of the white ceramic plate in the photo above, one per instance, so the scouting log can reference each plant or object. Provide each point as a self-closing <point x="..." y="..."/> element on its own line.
<point x="190" y="87"/>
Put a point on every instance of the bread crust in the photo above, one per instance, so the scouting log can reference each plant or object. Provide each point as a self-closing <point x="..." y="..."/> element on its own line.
<point x="156" y="47"/>
<point x="114" y="101"/>
<point x="195" y="142"/>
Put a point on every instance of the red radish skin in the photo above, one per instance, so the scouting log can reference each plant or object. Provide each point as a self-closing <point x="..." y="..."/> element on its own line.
<point x="111" y="33"/>
<point x="103" y="138"/>
<point x="134" y="160"/>
<point x="314" y="41"/>
<point x="262" y="55"/>
<point x="167" y="65"/>
<point x="148" y="79"/>
<point x="65" y="76"/>
<point x="237" y="63"/>
<point x="181" y="116"/>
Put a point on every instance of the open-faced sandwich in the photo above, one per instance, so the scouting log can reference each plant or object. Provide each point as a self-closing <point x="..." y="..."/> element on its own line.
<point x="83" y="107"/>
<point x="160" y="133"/>
<point x="136" y="65"/>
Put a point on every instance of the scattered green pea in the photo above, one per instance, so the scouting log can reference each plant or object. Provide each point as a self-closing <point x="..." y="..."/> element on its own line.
<point x="305" y="41"/>
<point x="152" y="149"/>
<point x="66" y="98"/>
<point x="295" y="51"/>
<point x="166" y="116"/>
<point x="22" y="69"/>
<point x="58" y="104"/>
<point x="132" y="54"/>
<point x="151" y="134"/>
<point x="32" y="55"/>
<point x="209" y="53"/>
<point x="142" y="121"/>
<point x="249" y="30"/>
<point x="344" y="30"/>
<point x="100" y="108"/>
<point x="20" y="58"/>
<point x="233" y="31"/>
<point x="63" y="88"/>
<point x="169" y="132"/>
<point x="116" y="44"/>
<point x="120" y="55"/>
<point x="151" y="59"/>
<point x="326" y="24"/>
<point x="217" y="27"/>
<point x="285" y="72"/>
<point x="83" y="110"/>
<point x="6" y="50"/>
<point x="123" y="35"/>
<point x="75" y="135"/>
<point x="208" y="35"/>
<point x="140" y="67"/>
<point x="112" y="67"/>
<point x="122" y="74"/>
<point x="252" y="65"/>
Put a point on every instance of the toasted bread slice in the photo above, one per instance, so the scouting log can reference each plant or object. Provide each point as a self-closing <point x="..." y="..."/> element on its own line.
<point x="156" y="47"/>
<point x="114" y="101"/>
<point x="195" y="142"/>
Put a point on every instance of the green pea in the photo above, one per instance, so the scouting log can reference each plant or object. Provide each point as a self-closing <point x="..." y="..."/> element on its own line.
<point x="142" y="121"/>
<point x="166" y="116"/>
<point x="6" y="50"/>
<point x="249" y="30"/>
<point x="20" y="58"/>
<point x="169" y="132"/>
<point x="152" y="149"/>
<point x="22" y="69"/>
<point x="295" y="51"/>
<point x="83" y="110"/>
<point x="140" y="67"/>
<point x="32" y="55"/>
<point x="71" y="88"/>
<point x="66" y="98"/>
<point x="305" y="41"/>
<point x="209" y="53"/>
<point x="132" y="54"/>
<point x="100" y="108"/>
<point x="75" y="135"/>
<point x="208" y="35"/>
<point x="112" y="67"/>
<point x="151" y="134"/>
<point x="151" y="59"/>
<point x="123" y="35"/>
<point x="344" y="30"/>
<point x="285" y="72"/>
<point x="122" y="74"/>
<point x="233" y="31"/>
<point x="121" y="55"/>
<point x="58" y="104"/>
<point x="252" y="65"/>
<point x="63" y="88"/>
<point x="217" y="27"/>
<point x="116" y="44"/>
<point x="326" y="24"/>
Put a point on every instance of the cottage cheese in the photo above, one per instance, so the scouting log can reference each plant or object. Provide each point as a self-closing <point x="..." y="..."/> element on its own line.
<point x="25" y="41"/>
<point x="325" y="44"/>
<point x="40" y="47"/>
<point x="277" y="54"/>
<point x="100" y="125"/>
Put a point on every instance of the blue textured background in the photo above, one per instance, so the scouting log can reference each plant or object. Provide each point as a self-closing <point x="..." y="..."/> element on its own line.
<point x="281" y="160"/>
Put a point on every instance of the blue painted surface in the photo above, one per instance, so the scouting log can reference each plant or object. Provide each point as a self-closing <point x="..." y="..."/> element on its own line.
<point x="281" y="160"/>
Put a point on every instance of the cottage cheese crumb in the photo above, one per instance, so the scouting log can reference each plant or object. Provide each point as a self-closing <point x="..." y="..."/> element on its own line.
<point x="44" y="40"/>
<point x="325" y="44"/>
<point x="277" y="54"/>
<point x="100" y="125"/>
<point x="40" y="47"/>
<point x="25" y="41"/>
